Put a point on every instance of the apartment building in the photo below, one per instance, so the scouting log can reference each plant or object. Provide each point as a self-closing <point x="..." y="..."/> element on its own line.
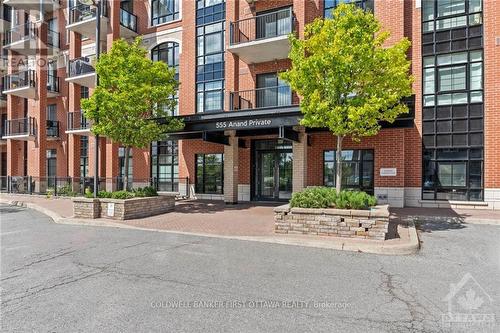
<point x="242" y="139"/>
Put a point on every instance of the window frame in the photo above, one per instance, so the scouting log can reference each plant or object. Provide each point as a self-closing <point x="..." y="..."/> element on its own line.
<point x="361" y="161"/>
<point x="201" y="187"/>
<point x="164" y="19"/>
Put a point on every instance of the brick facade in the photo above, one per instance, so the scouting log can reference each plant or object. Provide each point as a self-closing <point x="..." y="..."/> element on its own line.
<point x="399" y="148"/>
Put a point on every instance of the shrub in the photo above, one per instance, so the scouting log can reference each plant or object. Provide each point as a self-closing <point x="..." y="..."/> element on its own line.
<point x="104" y="194"/>
<point x="88" y="193"/>
<point x="326" y="197"/>
<point x="147" y="191"/>
<point x="122" y="195"/>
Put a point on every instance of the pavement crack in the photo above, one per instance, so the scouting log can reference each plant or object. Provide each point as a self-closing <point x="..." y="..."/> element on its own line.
<point x="44" y="259"/>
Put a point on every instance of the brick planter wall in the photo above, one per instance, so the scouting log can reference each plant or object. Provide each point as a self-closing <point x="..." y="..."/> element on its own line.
<point x="118" y="209"/>
<point x="366" y="224"/>
<point x="86" y="208"/>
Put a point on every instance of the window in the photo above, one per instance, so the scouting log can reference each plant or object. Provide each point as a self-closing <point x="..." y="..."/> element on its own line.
<point x="453" y="174"/>
<point x="209" y="173"/>
<point x="163" y="11"/>
<point x="169" y="53"/>
<point x="165" y="165"/>
<point x="453" y="74"/>
<point x="51" y="167"/>
<point x="450" y="14"/>
<point x="121" y="168"/>
<point x="329" y="5"/>
<point x="210" y="57"/>
<point x="357" y="169"/>
<point x="272" y="91"/>
<point x="84" y="156"/>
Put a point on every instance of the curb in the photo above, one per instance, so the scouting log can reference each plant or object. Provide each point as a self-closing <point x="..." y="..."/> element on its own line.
<point x="340" y="244"/>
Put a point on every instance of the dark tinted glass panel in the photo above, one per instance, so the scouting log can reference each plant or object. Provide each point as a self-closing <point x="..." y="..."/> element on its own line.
<point x="428" y="140"/>
<point x="476" y="110"/>
<point x="459" y="125"/>
<point x="443" y="126"/>
<point x="428" y="113"/>
<point x="476" y="139"/>
<point x="443" y="140"/>
<point x="443" y="112"/>
<point x="460" y="111"/>
<point x="428" y="127"/>
<point x="459" y="139"/>
<point x="475" y="42"/>
<point x="443" y="47"/>
<point x="475" y="174"/>
<point x="476" y="124"/>
<point x="428" y="38"/>
<point x="441" y="36"/>
<point x="459" y="33"/>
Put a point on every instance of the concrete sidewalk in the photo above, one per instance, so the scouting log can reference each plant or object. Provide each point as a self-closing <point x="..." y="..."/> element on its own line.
<point x="254" y="222"/>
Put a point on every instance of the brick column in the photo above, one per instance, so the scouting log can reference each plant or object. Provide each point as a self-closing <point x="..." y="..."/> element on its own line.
<point x="231" y="169"/>
<point x="37" y="149"/>
<point x="299" y="149"/>
<point x="75" y="51"/>
<point x="109" y="166"/>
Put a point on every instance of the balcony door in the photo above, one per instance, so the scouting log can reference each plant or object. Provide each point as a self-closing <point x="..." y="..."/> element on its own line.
<point x="272" y="91"/>
<point x="273" y="23"/>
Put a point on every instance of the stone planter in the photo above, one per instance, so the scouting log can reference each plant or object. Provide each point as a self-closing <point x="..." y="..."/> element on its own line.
<point x="351" y="223"/>
<point x="86" y="208"/>
<point x="124" y="209"/>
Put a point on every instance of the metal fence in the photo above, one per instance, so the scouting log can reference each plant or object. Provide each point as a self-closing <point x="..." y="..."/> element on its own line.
<point x="22" y="126"/>
<point x="77" y="186"/>
<point x="20" y="33"/>
<point x="80" y="66"/>
<point x="77" y="121"/>
<point x="81" y="12"/>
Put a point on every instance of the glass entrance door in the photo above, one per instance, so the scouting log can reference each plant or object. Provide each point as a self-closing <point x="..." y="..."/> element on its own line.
<point x="273" y="174"/>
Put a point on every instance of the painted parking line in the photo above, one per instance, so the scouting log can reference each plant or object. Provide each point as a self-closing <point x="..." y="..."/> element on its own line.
<point x="13" y="232"/>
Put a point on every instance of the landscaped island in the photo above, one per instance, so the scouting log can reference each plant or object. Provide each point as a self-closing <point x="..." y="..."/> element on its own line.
<point x="124" y="205"/>
<point x="321" y="211"/>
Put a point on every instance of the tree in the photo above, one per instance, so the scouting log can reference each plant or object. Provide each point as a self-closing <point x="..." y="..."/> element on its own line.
<point x="347" y="80"/>
<point x="132" y="90"/>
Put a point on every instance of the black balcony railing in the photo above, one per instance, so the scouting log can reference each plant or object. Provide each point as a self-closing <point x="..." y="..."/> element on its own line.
<point x="23" y="79"/>
<point x="268" y="25"/>
<point x="77" y="121"/>
<point x="52" y="128"/>
<point x="23" y="126"/>
<point x="279" y="96"/>
<point x="80" y="66"/>
<point x="128" y="20"/>
<point x="80" y="13"/>
<point x="3" y="97"/>
<point x="53" y="83"/>
<point x="20" y="33"/>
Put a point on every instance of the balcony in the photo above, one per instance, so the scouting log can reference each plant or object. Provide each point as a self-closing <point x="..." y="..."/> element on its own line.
<point x="22" y="39"/>
<point x="20" y="129"/>
<point x="128" y="24"/>
<point x="22" y="84"/>
<point x="78" y="124"/>
<point x="47" y="6"/>
<point x="82" y="72"/>
<point x="82" y="19"/>
<point x="53" y="130"/>
<point x="263" y="98"/>
<point x="263" y="37"/>
<point x="5" y="18"/>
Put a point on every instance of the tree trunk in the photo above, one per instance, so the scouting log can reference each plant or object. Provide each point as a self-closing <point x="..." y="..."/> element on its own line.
<point x="338" y="164"/>
<point x="125" y="172"/>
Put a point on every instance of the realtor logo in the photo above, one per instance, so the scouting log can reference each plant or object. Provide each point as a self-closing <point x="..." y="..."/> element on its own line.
<point x="469" y="307"/>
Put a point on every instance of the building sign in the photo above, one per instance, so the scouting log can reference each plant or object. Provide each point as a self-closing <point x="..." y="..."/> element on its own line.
<point x="111" y="209"/>
<point x="388" y="172"/>
<point x="243" y="124"/>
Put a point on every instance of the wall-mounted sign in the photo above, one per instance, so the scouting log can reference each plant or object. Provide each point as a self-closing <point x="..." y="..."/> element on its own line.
<point x="111" y="209"/>
<point x="242" y="124"/>
<point x="388" y="172"/>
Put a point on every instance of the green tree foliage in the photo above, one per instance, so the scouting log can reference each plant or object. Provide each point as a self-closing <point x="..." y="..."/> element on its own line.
<point x="347" y="79"/>
<point x="132" y="90"/>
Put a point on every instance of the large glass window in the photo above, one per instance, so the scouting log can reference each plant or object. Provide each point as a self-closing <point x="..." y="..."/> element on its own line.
<point x="163" y="11"/>
<point x="165" y="165"/>
<point x="51" y="167"/>
<point x="453" y="72"/>
<point x="210" y="56"/>
<point x="357" y="169"/>
<point x="169" y="53"/>
<point x="121" y="168"/>
<point x="209" y="173"/>
<point x="450" y="14"/>
<point x="84" y="156"/>
<point x="329" y="5"/>
<point x="453" y="174"/>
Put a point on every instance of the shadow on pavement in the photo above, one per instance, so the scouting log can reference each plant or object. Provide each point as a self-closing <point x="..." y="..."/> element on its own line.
<point x="431" y="219"/>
